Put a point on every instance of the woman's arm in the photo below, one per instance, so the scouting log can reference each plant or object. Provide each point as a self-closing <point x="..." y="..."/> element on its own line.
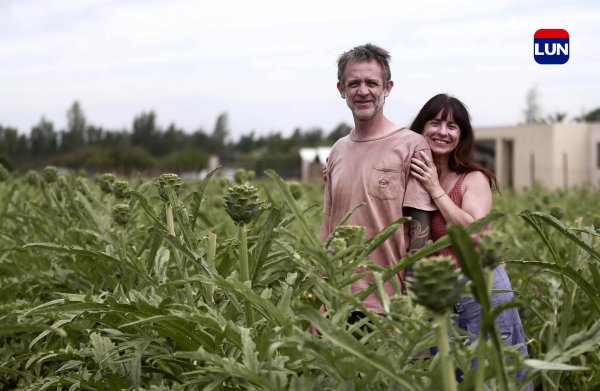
<point x="476" y="193"/>
<point x="476" y="201"/>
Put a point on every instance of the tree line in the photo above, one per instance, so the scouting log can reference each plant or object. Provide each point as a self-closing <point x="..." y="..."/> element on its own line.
<point x="150" y="148"/>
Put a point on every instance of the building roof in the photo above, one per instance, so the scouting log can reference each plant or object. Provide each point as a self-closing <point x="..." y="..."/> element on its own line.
<point x="315" y="154"/>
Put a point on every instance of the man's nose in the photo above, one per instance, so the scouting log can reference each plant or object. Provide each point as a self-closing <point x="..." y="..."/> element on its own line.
<point x="362" y="89"/>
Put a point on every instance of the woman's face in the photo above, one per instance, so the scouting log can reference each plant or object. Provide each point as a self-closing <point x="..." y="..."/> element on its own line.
<point x="442" y="135"/>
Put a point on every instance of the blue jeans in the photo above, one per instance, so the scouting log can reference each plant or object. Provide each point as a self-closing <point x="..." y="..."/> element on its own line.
<point x="508" y="321"/>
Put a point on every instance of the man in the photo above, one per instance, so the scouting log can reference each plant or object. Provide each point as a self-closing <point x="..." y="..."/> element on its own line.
<point x="372" y="165"/>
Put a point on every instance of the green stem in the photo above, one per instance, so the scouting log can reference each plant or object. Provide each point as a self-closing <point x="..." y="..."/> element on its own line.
<point x="171" y="227"/>
<point x="245" y="269"/>
<point x="479" y="375"/>
<point x="448" y="379"/>
<point x="489" y="328"/>
<point x="210" y="258"/>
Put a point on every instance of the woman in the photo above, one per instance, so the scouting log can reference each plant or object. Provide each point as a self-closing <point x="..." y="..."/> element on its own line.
<point x="462" y="191"/>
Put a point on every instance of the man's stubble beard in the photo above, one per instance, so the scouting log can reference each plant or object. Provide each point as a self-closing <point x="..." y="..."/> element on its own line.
<point x="366" y="115"/>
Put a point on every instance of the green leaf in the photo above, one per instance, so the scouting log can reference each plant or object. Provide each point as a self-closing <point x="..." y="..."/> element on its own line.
<point x="309" y="232"/>
<point x="263" y="244"/>
<point x="197" y="198"/>
<point x="350" y="345"/>
<point x="568" y="272"/>
<point x="147" y="207"/>
<point x="552" y="366"/>
<point x="470" y="264"/>
<point x="383" y="235"/>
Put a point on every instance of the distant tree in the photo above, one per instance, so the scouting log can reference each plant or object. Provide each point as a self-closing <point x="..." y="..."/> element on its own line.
<point x="591" y="116"/>
<point x="74" y="137"/>
<point x="296" y="137"/>
<point x="43" y="139"/>
<point x="116" y="138"/>
<point x="340" y="131"/>
<point x="94" y="135"/>
<point x="532" y="106"/>
<point x="186" y="159"/>
<point x="201" y="140"/>
<point x="22" y="146"/>
<point x="312" y="137"/>
<point x="220" y="133"/>
<point x="246" y="143"/>
<point x="9" y="142"/>
<point x="556" y="118"/>
<point x="173" y="139"/>
<point x="145" y="134"/>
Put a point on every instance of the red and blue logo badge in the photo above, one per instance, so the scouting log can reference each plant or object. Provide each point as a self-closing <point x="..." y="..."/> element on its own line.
<point x="551" y="46"/>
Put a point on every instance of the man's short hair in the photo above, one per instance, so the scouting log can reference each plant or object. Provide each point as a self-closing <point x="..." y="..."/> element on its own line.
<point x="366" y="52"/>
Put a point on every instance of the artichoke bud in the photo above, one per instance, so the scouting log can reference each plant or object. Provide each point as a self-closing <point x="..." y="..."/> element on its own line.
<point x="239" y="176"/>
<point x="121" y="214"/>
<point x="50" y="174"/>
<point x="32" y="178"/>
<point x="401" y="304"/>
<point x="351" y="234"/>
<point x="224" y="183"/>
<point x="172" y="180"/>
<point x="436" y="283"/>
<point x="557" y="212"/>
<point x="490" y="252"/>
<point x="242" y="203"/>
<point x="4" y="173"/>
<point x="546" y="200"/>
<point x="106" y="182"/>
<point x="296" y="190"/>
<point x="336" y="245"/>
<point x="62" y="182"/>
<point x="120" y="189"/>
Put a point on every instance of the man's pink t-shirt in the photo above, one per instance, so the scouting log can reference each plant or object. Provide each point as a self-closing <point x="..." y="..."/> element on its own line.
<point x="376" y="171"/>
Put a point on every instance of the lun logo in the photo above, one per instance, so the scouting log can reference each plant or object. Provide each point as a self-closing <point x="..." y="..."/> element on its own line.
<point x="551" y="46"/>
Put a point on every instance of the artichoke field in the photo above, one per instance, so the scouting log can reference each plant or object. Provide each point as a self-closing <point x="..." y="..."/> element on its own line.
<point x="166" y="284"/>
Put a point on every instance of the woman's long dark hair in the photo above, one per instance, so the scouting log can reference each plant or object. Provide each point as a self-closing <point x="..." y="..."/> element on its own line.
<point x="462" y="158"/>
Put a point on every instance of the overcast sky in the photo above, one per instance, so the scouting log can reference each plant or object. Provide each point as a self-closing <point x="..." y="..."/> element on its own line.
<point x="271" y="65"/>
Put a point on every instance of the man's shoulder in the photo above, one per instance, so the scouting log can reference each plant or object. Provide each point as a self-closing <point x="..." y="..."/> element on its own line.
<point x="341" y="142"/>
<point x="414" y="136"/>
<point x="410" y="139"/>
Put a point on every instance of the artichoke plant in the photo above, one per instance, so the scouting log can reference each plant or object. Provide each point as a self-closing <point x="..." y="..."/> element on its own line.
<point x="106" y="182"/>
<point x="351" y="234"/>
<point x="4" y="173"/>
<point x="489" y="252"/>
<point x="296" y="190"/>
<point x="120" y="189"/>
<point x="32" y="178"/>
<point x="50" y="174"/>
<point x="172" y="180"/>
<point x="242" y="204"/>
<point x="121" y="214"/>
<point x="436" y="284"/>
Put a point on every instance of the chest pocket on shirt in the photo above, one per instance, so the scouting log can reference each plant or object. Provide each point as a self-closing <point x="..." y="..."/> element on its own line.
<point x="384" y="183"/>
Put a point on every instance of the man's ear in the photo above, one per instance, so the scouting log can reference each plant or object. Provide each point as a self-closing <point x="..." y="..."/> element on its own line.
<point x="388" y="88"/>
<point x="340" y="88"/>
